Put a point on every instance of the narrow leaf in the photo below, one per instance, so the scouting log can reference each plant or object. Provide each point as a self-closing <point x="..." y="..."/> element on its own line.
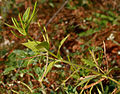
<point x="99" y="91"/>
<point x="52" y="54"/>
<point x="23" y="26"/>
<point x="17" y="35"/>
<point x="61" y="43"/>
<point x="11" y="26"/>
<point x="46" y="34"/>
<point x="33" y="14"/>
<point x="14" y="22"/>
<point x="42" y="32"/>
<point x="26" y="15"/>
<point x="19" y="29"/>
<point x="50" y="66"/>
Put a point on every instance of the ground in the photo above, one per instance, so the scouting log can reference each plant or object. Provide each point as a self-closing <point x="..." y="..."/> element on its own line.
<point x="91" y="25"/>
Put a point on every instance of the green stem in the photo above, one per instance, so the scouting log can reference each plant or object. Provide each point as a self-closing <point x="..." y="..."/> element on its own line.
<point x="27" y="86"/>
<point x="47" y="56"/>
<point x="81" y="67"/>
<point x="114" y="80"/>
<point x="43" y="90"/>
<point x="14" y="91"/>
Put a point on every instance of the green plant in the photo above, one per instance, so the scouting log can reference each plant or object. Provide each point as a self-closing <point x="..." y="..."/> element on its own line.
<point x="100" y="20"/>
<point x="73" y="5"/>
<point x="24" y="24"/>
<point x="5" y="7"/>
<point x="92" y="73"/>
<point x="41" y="48"/>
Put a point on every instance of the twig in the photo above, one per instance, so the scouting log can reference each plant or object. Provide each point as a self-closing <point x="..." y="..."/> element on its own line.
<point x="50" y="20"/>
<point x="82" y="78"/>
<point x="41" y="54"/>
<point x="88" y="86"/>
<point x="114" y="91"/>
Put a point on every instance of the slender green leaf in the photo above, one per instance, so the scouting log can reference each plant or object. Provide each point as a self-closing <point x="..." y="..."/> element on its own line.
<point x="91" y="89"/>
<point x="33" y="13"/>
<point x="14" y="22"/>
<point x="61" y="43"/>
<point x="19" y="29"/>
<point x="42" y="32"/>
<point x="11" y="26"/>
<point x="16" y="25"/>
<point x="50" y="66"/>
<point x="21" y="21"/>
<point x="26" y="15"/>
<point x="23" y="26"/>
<point x="47" y="38"/>
<point x="52" y="54"/>
<point x="99" y="91"/>
<point x="17" y="35"/>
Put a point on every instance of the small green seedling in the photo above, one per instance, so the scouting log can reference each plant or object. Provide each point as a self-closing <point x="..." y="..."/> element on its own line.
<point x="24" y="23"/>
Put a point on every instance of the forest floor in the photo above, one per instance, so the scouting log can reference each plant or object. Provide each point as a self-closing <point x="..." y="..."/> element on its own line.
<point x="93" y="25"/>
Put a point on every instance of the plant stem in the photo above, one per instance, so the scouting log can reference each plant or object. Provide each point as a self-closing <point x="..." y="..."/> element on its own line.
<point x="47" y="57"/>
<point x="82" y="67"/>
<point x="14" y="91"/>
<point x="26" y="86"/>
<point x="114" y="80"/>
